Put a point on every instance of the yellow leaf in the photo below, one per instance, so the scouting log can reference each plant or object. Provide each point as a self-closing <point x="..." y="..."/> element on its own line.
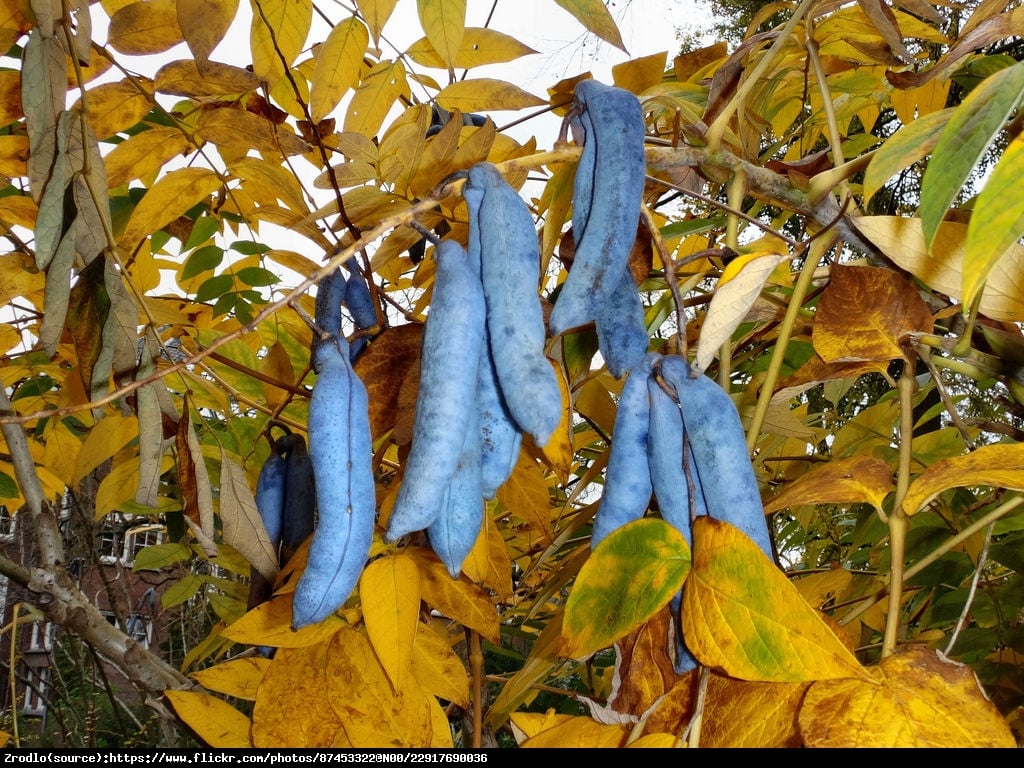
<point x="902" y="240"/>
<point x="62" y="449"/>
<point x="1000" y="466"/>
<point x="214" y="721"/>
<point x="865" y="313"/>
<point x="371" y="712"/>
<point x="569" y="731"/>
<point x="271" y="624"/>
<point x="559" y="450"/>
<point x="183" y="78"/>
<point x="166" y="200"/>
<point x="485" y="95"/>
<point x="279" y="30"/>
<point x="594" y="15"/>
<point x="480" y="46"/>
<point x="444" y="22"/>
<point x="391" y="612"/>
<point x="438" y="668"/>
<point x="204" y="24"/>
<point x="293" y="703"/>
<point x="922" y="700"/>
<point x="741" y="615"/>
<point x="113" y="107"/>
<point x="239" y="677"/>
<point x="821" y="588"/>
<point x="739" y="714"/>
<point x="13" y="155"/>
<point x="269" y="182"/>
<point x="145" y="27"/>
<point x="637" y="75"/>
<point x="117" y="487"/>
<point x="376" y="13"/>
<point x="488" y="563"/>
<point x="380" y="88"/>
<point x="859" y="478"/>
<point x="242" y="129"/>
<point x="457" y="599"/>
<point x="525" y="495"/>
<point x="337" y="66"/>
<point x="143" y="153"/>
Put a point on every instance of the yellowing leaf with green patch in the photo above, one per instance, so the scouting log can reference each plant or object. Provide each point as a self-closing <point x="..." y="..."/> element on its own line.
<point x="919" y="700"/>
<point x="391" y="612"/>
<point x="337" y="66"/>
<point x="214" y="721"/>
<point x="629" y="577"/>
<point x="901" y="150"/>
<point x="444" y="22"/>
<point x="738" y="289"/>
<point x="741" y="615"/>
<point x="997" y="220"/>
<point x="143" y="28"/>
<point x="859" y="478"/>
<point x="380" y="88"/>
<point x="999" y="466"/>
<point x="486" y="94"/>
<point x="271" y="624"/>
<point x="279" y="30"/>
<point x="204" y="24"/>
<point x="865" y="313"/>
<point x="166" y="200"/>
<point x="595" y="16"/>
<point x="240" y="677"/>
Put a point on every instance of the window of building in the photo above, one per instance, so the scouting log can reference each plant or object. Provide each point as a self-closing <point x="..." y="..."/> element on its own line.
<point x="39" y="682"/>
<point x="7" y="524"/>
<point x="137" y="539"/>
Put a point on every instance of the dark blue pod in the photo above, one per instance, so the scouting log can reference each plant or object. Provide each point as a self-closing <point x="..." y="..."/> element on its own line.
<point x="627" y="487"/>
<point x="300" y="495"/>
<point x="341" y="452"/>
<point x="608" y="192"/>
<point x="450" y="356"/>
<point x="359" y="302"/>
<point x="330" y="294"/>
<point x="502" y="232"/>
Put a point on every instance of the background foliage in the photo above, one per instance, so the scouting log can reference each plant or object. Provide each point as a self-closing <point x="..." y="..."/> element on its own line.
<point x="830" y="229"/>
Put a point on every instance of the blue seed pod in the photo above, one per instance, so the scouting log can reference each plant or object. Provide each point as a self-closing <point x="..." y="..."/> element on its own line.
<point x="341" y="452"/>
<point x="450" y="356"/>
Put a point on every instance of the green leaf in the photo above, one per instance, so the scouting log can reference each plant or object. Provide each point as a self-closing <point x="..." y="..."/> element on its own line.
<point x="257" y="276"/>
<point x="8" y="488"/>
<point x="249" y="247"/>
<point x="629" y="577"/>
<point x="206" y="258"/>
<point x="161" y="555"/>
<point x="970" y="131"/>
<point x="202" y="230"/>
<point x="905" y="147"/>
<point x="181" y="591"/>
<point x="216" y="286"/>
<point x="997" y="220"/>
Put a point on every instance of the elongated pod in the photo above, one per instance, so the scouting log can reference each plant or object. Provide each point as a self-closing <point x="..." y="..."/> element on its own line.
<point x="676" y="484"/>
<point x="621" y="330"/>
<point x="341" y="453"/>
<point x="627" y="487"/>
<point x="359" y="302"/>
<point x="450" y="355"/>
<point x="330" y="294"/>
<point x="608" y="191"/>
<point x="718" y="444"/>
<point x="502" y="231"/>
<point x="270" y="495"/>
<point x="455" y="530"/>
<point x="500" y="438"/>
<point x="300" y="495"/>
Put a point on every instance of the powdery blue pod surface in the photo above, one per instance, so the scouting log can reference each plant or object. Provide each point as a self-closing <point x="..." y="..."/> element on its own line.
<point x="341" y="453"/>
<point x="500" y="438"/>
<point x="621" y="332"/>
<point x="456" y="528"/>
<point x="450" y="356"/>
<point x="719" y="447"/>
<point x="359" y="302"/>
<point x="627" y="487"/>
<point x="608" y="191"/>
<point x="330" y="294"/>
<point x="502" y="233"/>
<point x="270" y="495"/>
